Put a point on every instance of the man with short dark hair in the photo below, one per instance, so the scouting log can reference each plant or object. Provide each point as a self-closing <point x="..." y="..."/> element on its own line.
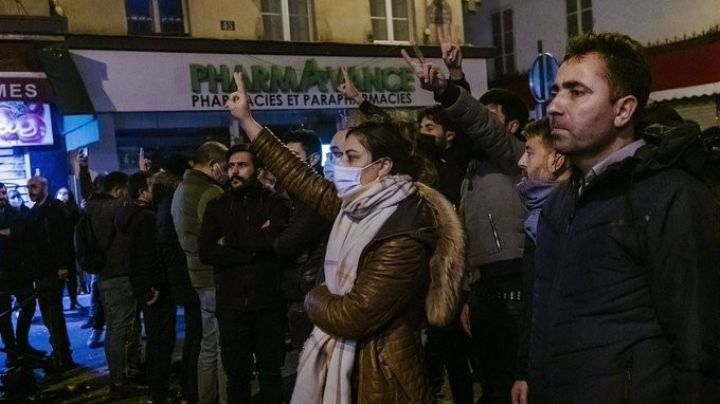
<point x="626" y="291"/>
<point x="236" y="237"/>
<point x="137" y="232"/>
<point x="201" y="184"/>
<point x="48" y="254"/>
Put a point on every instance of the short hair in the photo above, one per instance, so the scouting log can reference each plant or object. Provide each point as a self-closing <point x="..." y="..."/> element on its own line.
<point x="177" y="163"/>
<point x="209" y="152"/>
<point x="541" y="129"/>
<point x="628" y="72"/>
<point x="137" y="183"/>
<point x="513" y="107"/>
<point x="243" y="148"/>
<point x="115" y="179"/>
<point x="437" y="114"/>
<point x="2" y="185"/>
<point x="307" y="138"/>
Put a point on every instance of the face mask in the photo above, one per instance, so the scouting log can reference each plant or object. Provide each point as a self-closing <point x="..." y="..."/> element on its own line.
<point x="328" y="170"/>
<point x="348" y="178"/>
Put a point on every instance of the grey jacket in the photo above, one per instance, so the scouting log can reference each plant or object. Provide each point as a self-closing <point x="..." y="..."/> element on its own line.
<point x="188" y="207"/>
<point x="491" y="208"/>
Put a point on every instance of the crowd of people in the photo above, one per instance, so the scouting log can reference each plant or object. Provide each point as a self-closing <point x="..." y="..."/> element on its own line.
<point x="568" y="259"/>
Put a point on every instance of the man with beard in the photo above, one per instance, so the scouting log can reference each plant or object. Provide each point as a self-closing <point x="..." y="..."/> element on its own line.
<point x="236" y="237"/>
<point x="48" y="252"/>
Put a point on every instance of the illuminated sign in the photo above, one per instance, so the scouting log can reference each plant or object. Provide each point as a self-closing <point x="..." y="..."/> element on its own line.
<point x="25" y="124"/>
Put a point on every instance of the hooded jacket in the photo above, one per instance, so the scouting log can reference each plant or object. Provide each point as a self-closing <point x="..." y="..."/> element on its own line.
<point x="101" y="209"/>
<point x="626" y="284"/>
<point x="409" y="274"/>
<point x="136" y="229"/>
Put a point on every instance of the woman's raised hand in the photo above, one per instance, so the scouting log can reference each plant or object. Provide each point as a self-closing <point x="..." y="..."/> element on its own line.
<point x="239" y="106"/>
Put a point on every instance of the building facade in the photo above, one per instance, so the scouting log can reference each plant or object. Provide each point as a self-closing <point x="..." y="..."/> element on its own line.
<point x="682" y="40"/>
<point x="157" y="72"/>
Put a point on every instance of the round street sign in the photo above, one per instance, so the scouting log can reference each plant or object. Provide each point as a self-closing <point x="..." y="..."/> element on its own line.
<point x="541" y="76"/>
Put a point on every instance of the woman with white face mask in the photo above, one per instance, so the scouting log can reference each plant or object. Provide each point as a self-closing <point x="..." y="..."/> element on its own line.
<point x="393" y="262"/>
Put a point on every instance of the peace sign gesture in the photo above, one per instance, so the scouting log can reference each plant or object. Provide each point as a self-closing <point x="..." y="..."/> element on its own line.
<point x="451" y="53"/>
<point x="348" y="89"/>
<point x="431" y="78"/>
<point x="239" y="106"/>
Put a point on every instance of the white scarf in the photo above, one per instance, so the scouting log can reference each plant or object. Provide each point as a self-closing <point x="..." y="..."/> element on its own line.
<point x="326" y="362"/>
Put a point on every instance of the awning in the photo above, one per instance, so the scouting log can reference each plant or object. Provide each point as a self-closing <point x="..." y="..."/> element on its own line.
<point x="71" y="97"/>
<point x="686" y="92"/>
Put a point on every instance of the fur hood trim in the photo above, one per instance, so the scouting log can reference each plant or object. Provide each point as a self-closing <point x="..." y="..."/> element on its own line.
<point x="447" y="263"/>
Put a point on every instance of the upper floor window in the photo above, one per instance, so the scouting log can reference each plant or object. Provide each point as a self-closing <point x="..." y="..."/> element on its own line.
<point x="392" y="20"/>
<point x="287" y="20"/>
<point x="579" y="17"/>
<point x="503" y="41"/>
<point x="156" y="17"/>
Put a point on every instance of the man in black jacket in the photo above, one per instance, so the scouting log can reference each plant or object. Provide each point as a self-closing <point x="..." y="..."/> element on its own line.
<point x="135" y="224"/>
<point x="626" y="289"/>
<point x="236" y="237"/>
<point x="48" y="250"/>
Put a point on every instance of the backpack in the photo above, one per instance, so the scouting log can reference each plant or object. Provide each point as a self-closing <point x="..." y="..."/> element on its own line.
<point x="90" y="254"/>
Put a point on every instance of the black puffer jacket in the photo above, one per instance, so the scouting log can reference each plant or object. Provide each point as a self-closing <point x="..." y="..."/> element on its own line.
<point x="627" y="286"/>
<point x="247" y="272"/>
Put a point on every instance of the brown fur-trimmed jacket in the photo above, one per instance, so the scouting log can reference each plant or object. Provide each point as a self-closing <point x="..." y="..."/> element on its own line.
<point x="409" y="274"/>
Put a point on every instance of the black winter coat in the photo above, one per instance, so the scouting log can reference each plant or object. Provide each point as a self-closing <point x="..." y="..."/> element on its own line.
<point x="48" y="241"/>
<point x="247" y="272"/>
<point x="627" y="287"/>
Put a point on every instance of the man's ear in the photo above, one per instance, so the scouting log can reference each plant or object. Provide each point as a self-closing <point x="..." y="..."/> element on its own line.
<point x="558" y="162"/>
<point x="624" y="109"/>
<point x="314" y="159"/>
<point x="449" y="137"/>
<point x="513" y="126"/>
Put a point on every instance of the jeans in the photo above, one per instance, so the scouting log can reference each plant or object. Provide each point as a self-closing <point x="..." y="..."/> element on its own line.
<point x="97" y="314"/>
<point x="17" y="338"/>
<point x="50" y="300"/>
<point x="160" y="329"/>
<point x="121" y="315"/>
<point x="259" y="332"/>
<point x="211" y="375"/>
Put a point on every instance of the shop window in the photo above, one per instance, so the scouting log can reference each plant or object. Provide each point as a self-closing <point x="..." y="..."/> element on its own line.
<point x="156" y="17"/>
<point x="504" y="42"/>
<point x="287" y="20"/>
<point x="392" y="20"/>
<point x="579" y="17"/>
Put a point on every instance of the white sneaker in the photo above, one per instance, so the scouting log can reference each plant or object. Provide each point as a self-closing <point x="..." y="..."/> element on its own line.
<point x="95" y="340"/>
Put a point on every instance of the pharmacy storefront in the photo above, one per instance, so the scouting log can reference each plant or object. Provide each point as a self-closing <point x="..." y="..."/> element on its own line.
<point x="165" y="101"/>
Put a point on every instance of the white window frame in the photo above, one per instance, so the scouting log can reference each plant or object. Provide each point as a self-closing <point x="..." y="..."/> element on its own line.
<point x="389" y="26"/>
<point x="578" y="18"/>
<point x="285" y="17"/>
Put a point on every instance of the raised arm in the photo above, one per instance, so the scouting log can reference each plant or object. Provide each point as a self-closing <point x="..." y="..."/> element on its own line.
<point x="295" y="175"/>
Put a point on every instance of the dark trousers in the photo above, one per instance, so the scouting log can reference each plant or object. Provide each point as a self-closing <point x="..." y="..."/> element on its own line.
<point x="17" y="338"/>
<point x="244" y="333"/>
<point x="50" y="300"/>
<point x="160" y="330"/>
<point x="495" y="322"/>
<point x="72" y="286"/>
<point x="449" y="348"/>
<point x="191" y="352"/>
